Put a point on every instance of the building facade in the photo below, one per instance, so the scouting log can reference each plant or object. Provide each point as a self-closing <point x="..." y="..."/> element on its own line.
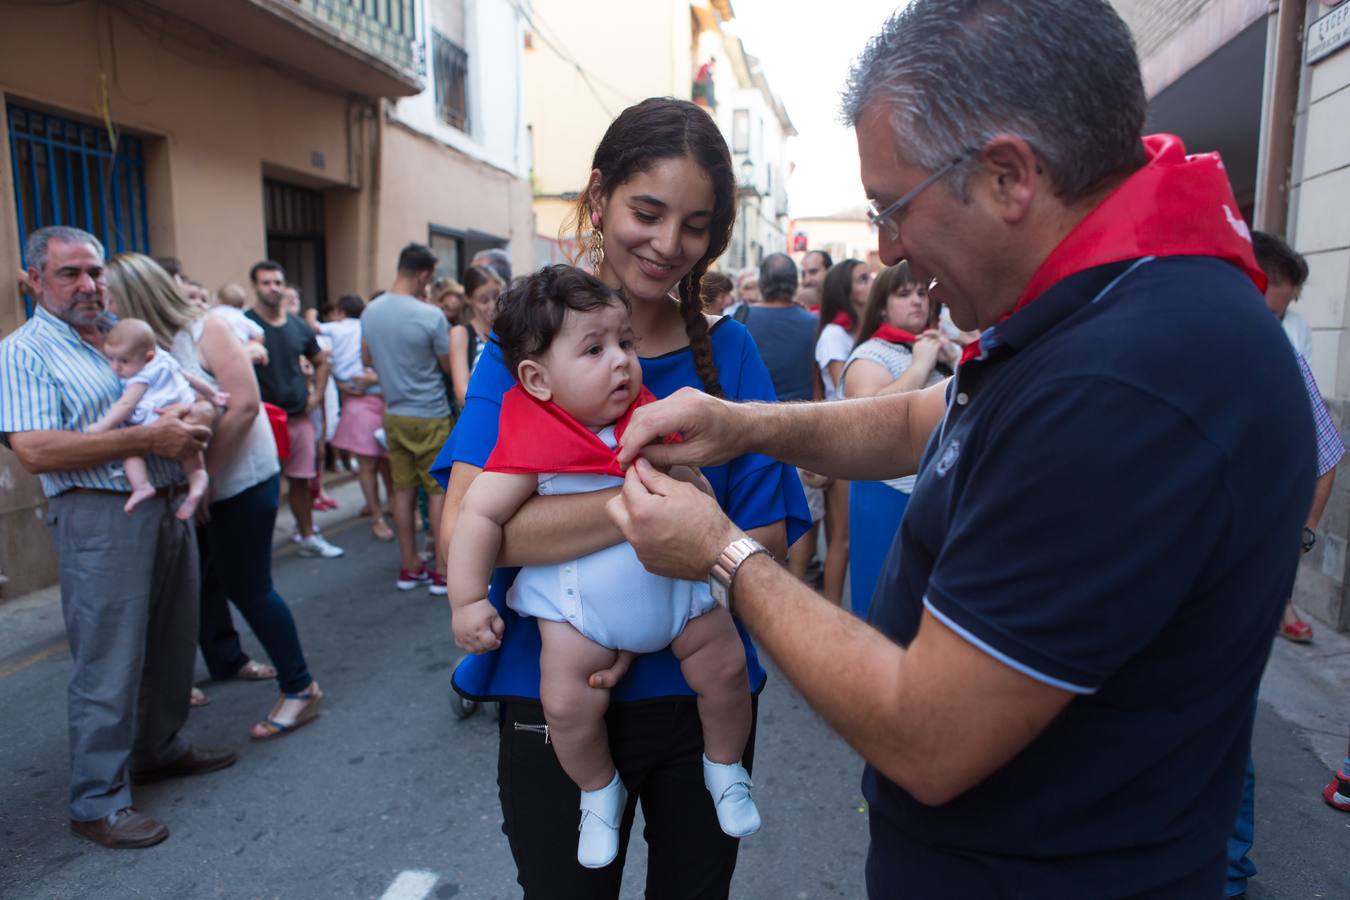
<point x="1267" y="84"/>
<point x="579" y="78"/>
<point x="323" y="133"/>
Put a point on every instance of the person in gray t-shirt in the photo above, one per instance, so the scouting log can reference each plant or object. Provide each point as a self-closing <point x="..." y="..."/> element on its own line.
<point x="407" y="343"/>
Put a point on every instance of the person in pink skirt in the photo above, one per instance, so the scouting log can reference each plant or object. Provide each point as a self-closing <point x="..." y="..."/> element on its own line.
<point x="362" y="408"/>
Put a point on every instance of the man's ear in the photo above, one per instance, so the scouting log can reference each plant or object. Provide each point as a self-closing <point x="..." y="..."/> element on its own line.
<point x="1012" y="174"/>
<point x="534" y="379"/>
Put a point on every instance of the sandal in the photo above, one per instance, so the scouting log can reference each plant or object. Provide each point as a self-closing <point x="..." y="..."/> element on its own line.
<point x="272" y="727"/>
<point x="255" y="671"/>
<point x="382" y="530"/>
<point x="1298" y="631"/>
<point x="198" y="698"/>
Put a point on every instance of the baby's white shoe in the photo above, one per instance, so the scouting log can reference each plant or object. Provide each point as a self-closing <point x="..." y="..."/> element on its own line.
<point x="601" y="813"/>
<point x="730" y="786"/>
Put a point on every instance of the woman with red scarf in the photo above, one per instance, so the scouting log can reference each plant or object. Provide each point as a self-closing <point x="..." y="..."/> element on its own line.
<point x="900" y="348"/>
<point x="843" y="296"/>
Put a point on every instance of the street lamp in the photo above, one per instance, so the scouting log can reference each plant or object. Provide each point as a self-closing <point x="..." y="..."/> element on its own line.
<point x="747" y="185"/>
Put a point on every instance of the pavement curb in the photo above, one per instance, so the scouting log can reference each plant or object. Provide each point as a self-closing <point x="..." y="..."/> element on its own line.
<point x="32" y="627"/>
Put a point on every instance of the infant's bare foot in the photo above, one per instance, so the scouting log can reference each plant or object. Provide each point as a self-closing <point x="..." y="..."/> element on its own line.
<point x="138" y="495"/>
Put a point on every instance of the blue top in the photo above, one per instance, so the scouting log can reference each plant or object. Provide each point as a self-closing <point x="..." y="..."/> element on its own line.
<point x="786" y="338"/>
<point x="1113" y="506"/>
<point x="753" y="489"/>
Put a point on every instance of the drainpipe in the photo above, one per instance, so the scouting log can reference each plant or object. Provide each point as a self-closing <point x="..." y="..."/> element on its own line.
<point x="375" y="138"/>
<point x="1279" y="111"/>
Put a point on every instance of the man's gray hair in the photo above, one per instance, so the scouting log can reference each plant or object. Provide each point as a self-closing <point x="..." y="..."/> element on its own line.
<point x="35" y="248"/>
<point x="496" y="259"/>
<point x="1061" y="74"/>
<point x="777" y="277"/>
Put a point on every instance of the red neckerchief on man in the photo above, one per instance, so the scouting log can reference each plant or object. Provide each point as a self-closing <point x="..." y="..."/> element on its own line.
<point x="540" y="436"/>
<point x="892" y="335"/>
<point x="1176" y="205"/>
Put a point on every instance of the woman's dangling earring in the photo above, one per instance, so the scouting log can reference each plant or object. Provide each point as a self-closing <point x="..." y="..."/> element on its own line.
<point x="596" y="253"/>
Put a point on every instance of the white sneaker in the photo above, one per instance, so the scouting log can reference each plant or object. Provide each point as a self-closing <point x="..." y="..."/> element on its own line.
<point x="730" y="786"/>
<point x="317" y="546"/>
<point x="298" y="538"/>
<point x="601" y="814"/>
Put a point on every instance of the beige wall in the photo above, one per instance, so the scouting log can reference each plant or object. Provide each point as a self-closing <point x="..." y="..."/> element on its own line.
<point x="841" y="238"/>
<point x="210" y="129"/>
<point x="213" y="127"/>
<point x="1319" y="226"/>
<point x="1320" y="229"/>
<point x="644" y="51"/>
<point x="464" y="194"/>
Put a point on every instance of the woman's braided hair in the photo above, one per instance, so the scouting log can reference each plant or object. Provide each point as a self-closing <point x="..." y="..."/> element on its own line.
<point x="665" y="128"/>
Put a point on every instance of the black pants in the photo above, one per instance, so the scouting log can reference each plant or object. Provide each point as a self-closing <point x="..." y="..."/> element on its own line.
<point x="658" y="749"/>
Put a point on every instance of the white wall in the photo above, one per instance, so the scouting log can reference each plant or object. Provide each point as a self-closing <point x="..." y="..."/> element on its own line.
<point x="494" y="40"/>
<point x="767" y="227"/>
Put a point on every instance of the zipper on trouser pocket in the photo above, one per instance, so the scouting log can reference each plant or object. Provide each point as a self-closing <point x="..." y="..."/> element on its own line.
<point x="537" y="729"/>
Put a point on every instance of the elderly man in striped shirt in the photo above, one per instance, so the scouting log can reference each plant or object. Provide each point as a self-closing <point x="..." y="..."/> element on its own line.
<point x="129" y="588"/>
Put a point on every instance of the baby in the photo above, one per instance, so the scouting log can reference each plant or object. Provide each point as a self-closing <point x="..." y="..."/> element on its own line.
<point x="152" y="380"/>
<point x="229" y="306"/>
<point x="567" y="338"/>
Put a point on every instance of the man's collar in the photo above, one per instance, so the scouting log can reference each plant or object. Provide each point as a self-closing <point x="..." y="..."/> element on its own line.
<point x="50" y="321"/>
<point x="1058" y="303"/>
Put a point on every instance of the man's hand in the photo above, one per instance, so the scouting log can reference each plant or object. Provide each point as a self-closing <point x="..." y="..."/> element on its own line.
<point x="477" y="626"/>
<point x="676" y="529"/>
<point x="709" y="426"/>
<point x="173" y="436"/>
<point x="257" y="354"/>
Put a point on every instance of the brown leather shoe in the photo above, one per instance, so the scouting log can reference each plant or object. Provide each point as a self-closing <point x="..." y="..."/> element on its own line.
<point x="194" y="762"/>
<point x="122" y="830"/>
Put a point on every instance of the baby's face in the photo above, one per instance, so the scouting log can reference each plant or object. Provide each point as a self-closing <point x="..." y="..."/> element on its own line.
<point x="593" y="367"/>
<point x="124" y="361"/>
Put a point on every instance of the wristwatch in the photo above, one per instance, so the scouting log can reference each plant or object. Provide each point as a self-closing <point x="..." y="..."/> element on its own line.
<point x="1309" y="539"/>
<point x="729" y="561"/>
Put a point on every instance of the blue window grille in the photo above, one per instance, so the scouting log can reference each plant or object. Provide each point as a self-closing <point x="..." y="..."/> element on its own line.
<point x="69" y="173"/>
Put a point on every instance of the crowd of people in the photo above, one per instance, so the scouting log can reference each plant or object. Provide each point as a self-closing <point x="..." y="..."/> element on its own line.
<point x="1069" y="535"/>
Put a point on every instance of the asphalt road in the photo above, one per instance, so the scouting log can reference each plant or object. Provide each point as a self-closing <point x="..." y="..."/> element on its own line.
<point x="388" y="795"/>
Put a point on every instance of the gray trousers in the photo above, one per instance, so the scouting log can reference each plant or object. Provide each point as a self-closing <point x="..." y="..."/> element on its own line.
<point x="129" y="593"/>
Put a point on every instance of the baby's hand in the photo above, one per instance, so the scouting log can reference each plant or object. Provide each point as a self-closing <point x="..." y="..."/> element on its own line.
<point x="220" y="398"/>
<point x="477" y="626"/>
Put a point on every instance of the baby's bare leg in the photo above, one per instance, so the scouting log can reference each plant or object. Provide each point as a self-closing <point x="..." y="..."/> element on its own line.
<point x="194" y="467"/>
<point x="575" y="712"/>
<point x="136" y="472"/>
<point x="713" y="662"/>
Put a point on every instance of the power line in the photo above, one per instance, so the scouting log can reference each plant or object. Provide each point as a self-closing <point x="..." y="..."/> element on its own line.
<point x="586" y="77"/>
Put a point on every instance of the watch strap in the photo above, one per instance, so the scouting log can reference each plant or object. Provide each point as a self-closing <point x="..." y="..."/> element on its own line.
<point x="729" y="562"/>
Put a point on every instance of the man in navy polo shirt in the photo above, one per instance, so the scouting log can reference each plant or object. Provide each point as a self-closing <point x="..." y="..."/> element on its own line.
<point x="1055" y="692"/>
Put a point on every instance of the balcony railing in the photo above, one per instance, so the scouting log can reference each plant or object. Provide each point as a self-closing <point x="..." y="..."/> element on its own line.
<point x="387" y="28"/>
<point x="370" y="47"/>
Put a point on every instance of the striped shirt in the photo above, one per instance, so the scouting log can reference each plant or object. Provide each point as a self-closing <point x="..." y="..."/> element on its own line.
<point x="1330" y="447"/>
<point x="52" y="380"/>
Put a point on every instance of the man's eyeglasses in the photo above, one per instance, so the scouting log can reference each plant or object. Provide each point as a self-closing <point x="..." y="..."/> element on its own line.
<point x="884" y="219"/>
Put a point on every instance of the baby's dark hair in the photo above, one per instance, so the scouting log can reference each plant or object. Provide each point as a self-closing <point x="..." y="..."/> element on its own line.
<point x="530" y="315"/>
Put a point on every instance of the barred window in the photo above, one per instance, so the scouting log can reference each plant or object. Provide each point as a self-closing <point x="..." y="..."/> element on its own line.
<point x="451" y="69"/>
